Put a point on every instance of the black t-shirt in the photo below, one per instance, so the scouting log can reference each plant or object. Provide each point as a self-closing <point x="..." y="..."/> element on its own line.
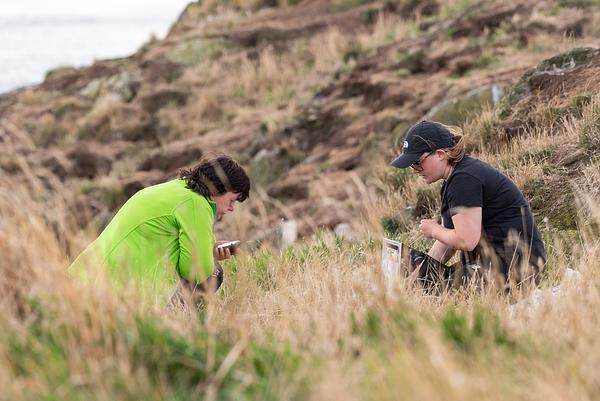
<point x="508" y="226"/>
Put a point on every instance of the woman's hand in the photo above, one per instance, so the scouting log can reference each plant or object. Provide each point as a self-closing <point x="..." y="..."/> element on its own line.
<point x="428" y="227"/>
<point x="466" y="233"/>
<point x="222" y="253"/>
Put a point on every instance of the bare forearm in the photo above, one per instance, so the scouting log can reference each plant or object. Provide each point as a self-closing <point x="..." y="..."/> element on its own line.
<point x="452" y="239"/>
<point x="464" y="236"/>
<point x="441" y="252"/>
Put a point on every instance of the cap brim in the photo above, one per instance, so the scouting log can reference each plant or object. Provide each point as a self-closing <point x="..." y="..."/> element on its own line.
<point x="406" y="160"/>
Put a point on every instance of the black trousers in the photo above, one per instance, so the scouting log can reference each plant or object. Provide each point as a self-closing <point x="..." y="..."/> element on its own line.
<point x="436" y="277"/>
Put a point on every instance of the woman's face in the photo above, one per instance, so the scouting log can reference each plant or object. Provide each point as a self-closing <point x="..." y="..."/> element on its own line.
<point x="431" y="166"/>
<point x="225" y="203"/>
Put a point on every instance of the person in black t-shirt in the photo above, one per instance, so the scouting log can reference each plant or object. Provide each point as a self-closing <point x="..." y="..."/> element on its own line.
<point x="484" y="214"/>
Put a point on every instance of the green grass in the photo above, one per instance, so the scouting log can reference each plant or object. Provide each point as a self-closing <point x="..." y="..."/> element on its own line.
<point x="579" y="3"/>
<point x="196" y="51"/>
<point x="118" y="350"/>
<point x="341" y="5"/>
<point x="176" y="364"/>
<point x="482" y="330"/>
<point x="454" y="8"/>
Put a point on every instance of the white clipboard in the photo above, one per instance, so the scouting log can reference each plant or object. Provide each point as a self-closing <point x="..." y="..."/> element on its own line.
<point x="391" y="260"/>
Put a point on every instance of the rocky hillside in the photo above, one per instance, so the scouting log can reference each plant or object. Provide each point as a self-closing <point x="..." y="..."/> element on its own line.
<point x="311" y="97"/>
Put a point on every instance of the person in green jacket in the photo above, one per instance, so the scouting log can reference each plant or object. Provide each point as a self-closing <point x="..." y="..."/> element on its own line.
<point x="164" y="233"/>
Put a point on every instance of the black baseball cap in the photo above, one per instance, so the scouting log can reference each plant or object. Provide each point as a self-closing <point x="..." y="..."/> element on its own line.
<point x="425" y="136"/>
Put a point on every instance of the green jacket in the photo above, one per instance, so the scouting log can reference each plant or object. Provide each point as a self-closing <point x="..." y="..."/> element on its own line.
<point x="161" y="230"/>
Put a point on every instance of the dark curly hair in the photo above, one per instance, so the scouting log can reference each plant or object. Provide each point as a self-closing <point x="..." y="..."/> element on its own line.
<point x="215" y="175"/>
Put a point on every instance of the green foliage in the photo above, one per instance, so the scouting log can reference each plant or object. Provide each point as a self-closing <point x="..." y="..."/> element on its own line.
<point x="564" y="61"/>
<point x="380" y="325"/>
<point x="487" y="60"/>
<point x="42" y="347"/>
<point x="454" y="8"/>
<point x="589" y="138"/>
<point x="403" y="73"/>
<point x="502" y="35"/>
<point x="239" y="91"/>
<point x="458" y="110"/>
<point x="553" y="200"/>
<point x="308" y="66"/>
<point x="538" y="155"/>
<point x="427" y="202"/>
<point x="280" y="95"/>
<point x="548" y="116"/>
<point x="177" y="366"/>
<point x="516" y="93"/>
<point x="569" y="59"/>
<point x="483" y="330"/>
<point x="107" y="191"/>
<point x="397" y="178"/>
<point x="370" y="16"/>
<point x="589" y="134"/>
<point x="195" y="51"/>
<point x="264" y="127"/>
<point x="260" y="270"/>
<point x="534" y="191"/>
<point x="392" y="226"/>
<point x="277" y="369"/>
<point x="578" y="103"/>
<point x="559" y="245"/>
<point x="352" y="53"/>
<point x="488" y="132"/>
<point x="323" y="248"/>
<point x="266" y="170"/>
<point x="341" y="5"/>
<point x="579" y="3"/>
<point x="373" y="324"/>
<point x="182" y="361"/>
<point x="412" y="60"/>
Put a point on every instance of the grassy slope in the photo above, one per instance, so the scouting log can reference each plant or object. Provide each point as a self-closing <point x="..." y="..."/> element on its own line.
<point x="311" y="322"/>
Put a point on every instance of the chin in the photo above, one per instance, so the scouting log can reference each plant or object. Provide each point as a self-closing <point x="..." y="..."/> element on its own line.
<point x="430" y="180"/>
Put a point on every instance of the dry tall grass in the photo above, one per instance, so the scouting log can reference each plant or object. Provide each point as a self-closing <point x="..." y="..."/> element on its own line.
<point x="315" y="321"/>
<point x="310" y="322"/>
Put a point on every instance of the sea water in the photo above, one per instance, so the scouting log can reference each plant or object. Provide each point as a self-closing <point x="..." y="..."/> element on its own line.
<point x="32" y="45"/>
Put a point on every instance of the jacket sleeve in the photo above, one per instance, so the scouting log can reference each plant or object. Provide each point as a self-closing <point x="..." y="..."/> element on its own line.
<point x="196" y="240"/>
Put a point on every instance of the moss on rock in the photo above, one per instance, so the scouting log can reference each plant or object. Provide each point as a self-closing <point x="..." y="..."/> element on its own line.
<point x="556" y="65"/>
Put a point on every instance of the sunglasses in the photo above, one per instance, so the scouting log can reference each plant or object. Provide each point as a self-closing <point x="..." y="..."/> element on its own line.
<point x="417" y="165"/>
